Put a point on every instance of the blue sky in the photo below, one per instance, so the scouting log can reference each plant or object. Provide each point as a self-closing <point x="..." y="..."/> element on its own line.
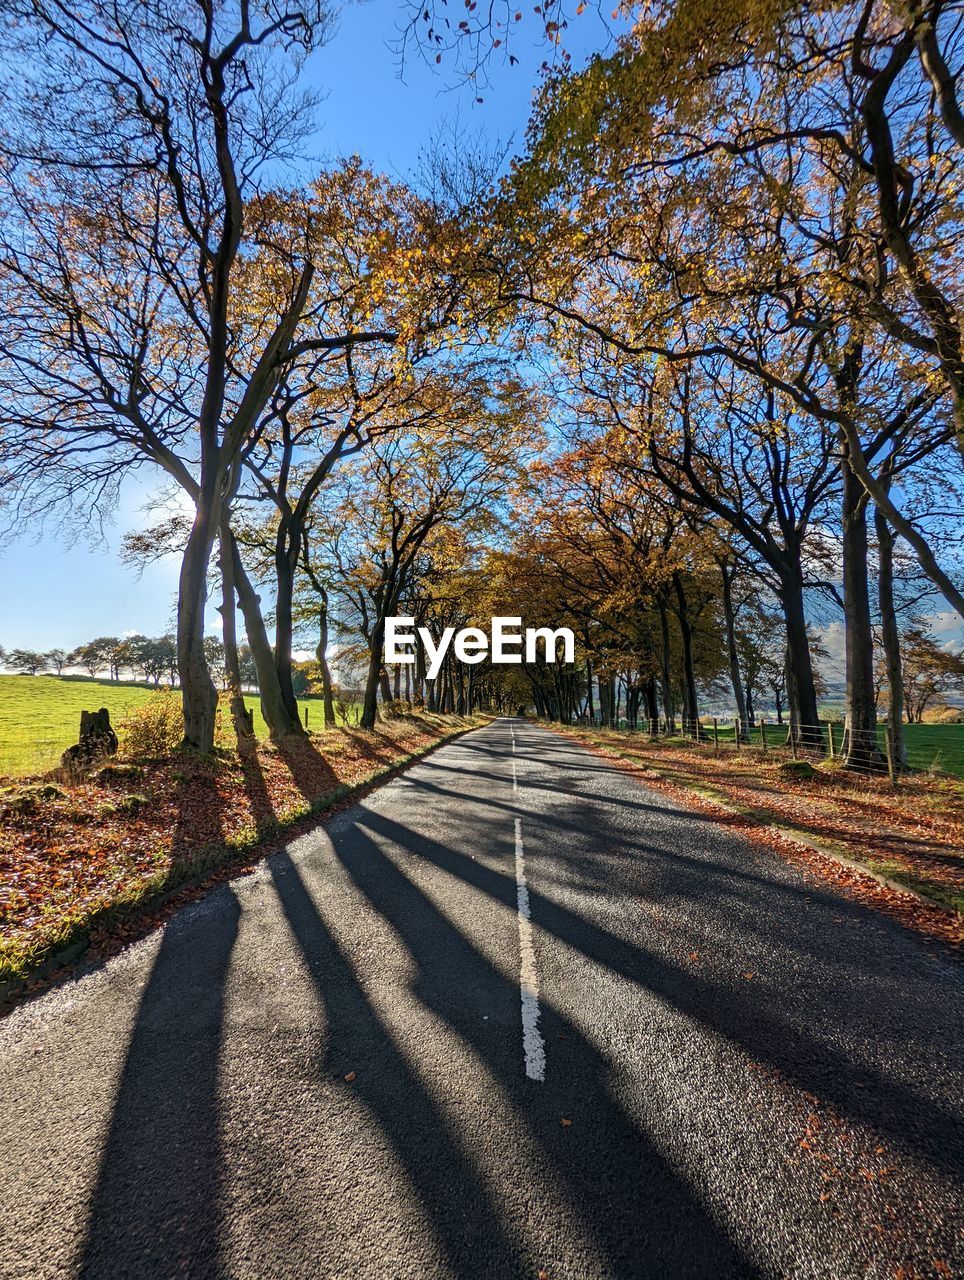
<point x="57" y="592"/>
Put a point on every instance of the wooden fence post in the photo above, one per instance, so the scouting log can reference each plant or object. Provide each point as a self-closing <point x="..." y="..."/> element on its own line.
<point x="763" y="733"/>
<point x="716" y="735"/>
<point x="891" y="764"/>
<point x="830" y="738"/>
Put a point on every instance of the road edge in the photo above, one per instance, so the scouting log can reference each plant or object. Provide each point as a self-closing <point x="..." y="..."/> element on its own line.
<point x="774" y="835"/>
<point x="225" y="863"/>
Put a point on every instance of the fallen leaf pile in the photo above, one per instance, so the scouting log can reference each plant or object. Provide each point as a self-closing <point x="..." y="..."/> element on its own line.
<point x="912" y="833"/>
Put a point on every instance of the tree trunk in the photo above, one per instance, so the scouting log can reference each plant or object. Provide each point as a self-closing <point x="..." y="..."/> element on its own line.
<point x="421" y="690"/>
<point x="241" y="717"/>
<point x="447" y="700"/>
<point x="742" y="723"/>
<point x="793" y="714"/>
<point x="281" y="724"/>
<point x="590" y="709"/>
<point x="633" y="698"/>
<point x="321" y="653"/>
<point x="690" y="704"/>
<point x="890" y="637"/>
<point x="285" y="563"/>
<point x="652" y="704"/>
<point x="198" y="694"/>
<point x="374" y="676"/>
<point x="801" y="692"/>
<point x="666" y="681"/>
<point x="860" y="749"/>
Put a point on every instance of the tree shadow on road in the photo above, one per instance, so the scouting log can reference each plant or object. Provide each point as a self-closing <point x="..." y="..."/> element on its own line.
<point x="450" y="1191"/>
<point x="735" y="1010"/>
<point x="156" y="1207"/>
<point x="647" y="1220"/>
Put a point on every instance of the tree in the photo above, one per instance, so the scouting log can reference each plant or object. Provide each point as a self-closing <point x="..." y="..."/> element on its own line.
<point x="411" y="489"/>
<point x="329" y="410"/>
<point x="858" y="88"/>
<point x="26" y="661"/>
<point x="606" y="554"/>
<point x="155" y="289"/>
<point x="56" y="658"/>
<point x="692" y="221"/>
<point x="87" y="656"/>
<point x="111" y="653"/>
<point x="928" y="669"/>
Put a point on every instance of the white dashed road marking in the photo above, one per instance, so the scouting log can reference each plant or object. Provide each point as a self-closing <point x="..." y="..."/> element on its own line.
<point x="533" y="1045"/>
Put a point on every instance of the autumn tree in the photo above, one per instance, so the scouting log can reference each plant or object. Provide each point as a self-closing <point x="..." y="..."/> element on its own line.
<point x="929" y="669"/>
<point x="448" y="470"/>
<point x="151" y="306"/>
<point x="685" y="219"/>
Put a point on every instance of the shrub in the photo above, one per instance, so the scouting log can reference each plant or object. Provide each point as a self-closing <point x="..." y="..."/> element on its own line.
<point x="155" y="728"/>
<point x="944" y="715"/>
<point x="108" y="774"/>
<point x="798" y="769"/>
<point x="395" y="709"/>
<point x="346" y="703"/>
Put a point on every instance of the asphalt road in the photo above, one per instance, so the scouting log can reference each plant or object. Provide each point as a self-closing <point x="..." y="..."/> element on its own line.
<point x="514" y="1014"/>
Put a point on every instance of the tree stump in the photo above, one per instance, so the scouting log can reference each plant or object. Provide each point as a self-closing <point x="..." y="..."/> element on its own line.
<point x="97" y="739"/>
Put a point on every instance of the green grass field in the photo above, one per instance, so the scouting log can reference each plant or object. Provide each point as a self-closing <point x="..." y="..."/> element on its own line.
<point x="929" y="746"/>
<point x="40" y="716"/>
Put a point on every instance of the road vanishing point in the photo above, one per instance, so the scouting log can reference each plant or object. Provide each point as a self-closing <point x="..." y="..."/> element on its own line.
<point x="513" y="1015"/>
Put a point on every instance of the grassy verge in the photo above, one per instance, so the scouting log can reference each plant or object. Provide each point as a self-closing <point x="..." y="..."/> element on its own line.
<point x="938" y="747"/>
<point x="40" y="716"/>
<point x="911" y="837"/>
<point x="83" y="863"/>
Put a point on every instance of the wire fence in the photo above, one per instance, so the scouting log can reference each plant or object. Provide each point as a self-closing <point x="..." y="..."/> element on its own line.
<point x="868" y="752"/>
